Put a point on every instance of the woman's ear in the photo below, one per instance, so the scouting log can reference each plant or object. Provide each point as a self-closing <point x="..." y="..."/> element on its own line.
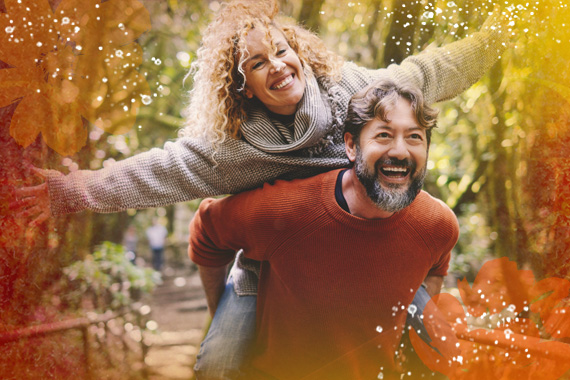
<point x="350" y="146"/>
<point x="248" y="94"/>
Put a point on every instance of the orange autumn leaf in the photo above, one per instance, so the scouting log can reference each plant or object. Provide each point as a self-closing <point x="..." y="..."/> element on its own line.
<point x="73" y="64"/>
<point x="512" y="345"/>
<point x="498" y="285"/>
<point x="443" y="352"/>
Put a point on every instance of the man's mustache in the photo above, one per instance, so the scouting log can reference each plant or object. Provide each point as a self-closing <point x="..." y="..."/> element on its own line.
<point x="406" y="163"/>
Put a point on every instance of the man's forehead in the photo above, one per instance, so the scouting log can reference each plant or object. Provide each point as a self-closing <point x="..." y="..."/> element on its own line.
<point x="408" y="124"/>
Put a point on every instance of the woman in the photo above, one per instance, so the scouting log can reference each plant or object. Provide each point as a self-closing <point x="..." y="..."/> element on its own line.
<point x="269" y="100"/>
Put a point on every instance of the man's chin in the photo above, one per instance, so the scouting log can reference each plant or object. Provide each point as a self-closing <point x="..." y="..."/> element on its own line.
<point x="394" y="187"/>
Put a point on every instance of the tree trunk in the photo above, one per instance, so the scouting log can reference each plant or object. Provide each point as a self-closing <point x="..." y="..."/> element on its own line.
<point x="498" y="174"/>
<point x="400" y="39"/>
<point x="310" y="14"/>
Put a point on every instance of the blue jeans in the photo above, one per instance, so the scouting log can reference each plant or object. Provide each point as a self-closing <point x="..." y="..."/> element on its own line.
<point x="157" y="258"/>
<point x="224" y="350"/>
<point x="231" y="334"/>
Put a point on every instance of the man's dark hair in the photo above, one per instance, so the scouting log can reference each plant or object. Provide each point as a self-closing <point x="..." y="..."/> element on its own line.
<point x="377" y="99"/>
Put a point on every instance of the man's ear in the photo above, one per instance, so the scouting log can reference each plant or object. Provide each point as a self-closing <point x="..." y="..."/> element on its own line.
<point x="350" y="146"/>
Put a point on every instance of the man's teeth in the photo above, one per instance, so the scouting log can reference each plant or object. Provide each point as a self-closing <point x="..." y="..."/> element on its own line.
<point x="400" y="170"/>
<point x="287" y="80"/>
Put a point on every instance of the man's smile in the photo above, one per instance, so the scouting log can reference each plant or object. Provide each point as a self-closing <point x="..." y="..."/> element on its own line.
<point x="394" y="173"/>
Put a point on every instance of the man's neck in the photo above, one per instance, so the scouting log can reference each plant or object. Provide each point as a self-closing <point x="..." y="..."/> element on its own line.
<point x="358" y="201"/>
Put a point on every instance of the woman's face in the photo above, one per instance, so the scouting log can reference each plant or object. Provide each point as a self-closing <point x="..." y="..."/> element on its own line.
<point x="276" y="78"/>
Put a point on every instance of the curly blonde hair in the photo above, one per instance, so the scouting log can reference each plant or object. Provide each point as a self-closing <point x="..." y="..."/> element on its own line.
<point x="218" y="105"/>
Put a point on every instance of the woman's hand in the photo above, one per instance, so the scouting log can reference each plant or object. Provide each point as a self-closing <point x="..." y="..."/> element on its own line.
<point x="32" y="202"/>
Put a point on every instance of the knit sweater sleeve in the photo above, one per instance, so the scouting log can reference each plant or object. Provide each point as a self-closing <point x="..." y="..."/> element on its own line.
<point x="445" y="72"/>
<point x="183" y="170"/>
<point x="212" y="244"/>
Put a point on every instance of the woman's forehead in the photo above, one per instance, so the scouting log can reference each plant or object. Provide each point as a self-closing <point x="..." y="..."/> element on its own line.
<point x="264" y="37"/>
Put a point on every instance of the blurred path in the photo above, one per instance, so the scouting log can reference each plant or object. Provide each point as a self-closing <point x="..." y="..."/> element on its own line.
<point x="179" y="308"/>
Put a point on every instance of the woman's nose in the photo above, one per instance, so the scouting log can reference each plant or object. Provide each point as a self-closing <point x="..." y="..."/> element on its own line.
<point x="277" y="65"/>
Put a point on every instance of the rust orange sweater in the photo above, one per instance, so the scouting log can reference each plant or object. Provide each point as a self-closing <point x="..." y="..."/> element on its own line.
<point x="334" y="288"/>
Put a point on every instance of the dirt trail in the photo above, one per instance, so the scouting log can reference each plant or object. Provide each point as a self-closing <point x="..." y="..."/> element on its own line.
<point x="179" y="308"/>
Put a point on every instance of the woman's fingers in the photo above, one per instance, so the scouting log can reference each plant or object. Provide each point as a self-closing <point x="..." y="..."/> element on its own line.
<point x="32" y="201"/>
<point x="22" y="203"/>
<point x="39" y="172"/>
<point x="41" y="217"/>
<point x="32" y="191"/>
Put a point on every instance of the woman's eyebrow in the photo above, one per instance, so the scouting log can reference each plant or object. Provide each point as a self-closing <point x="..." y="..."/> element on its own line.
<point x="257" y="56"/>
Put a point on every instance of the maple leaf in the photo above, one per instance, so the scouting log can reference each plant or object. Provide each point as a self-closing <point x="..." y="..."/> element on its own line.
<point x="71" y="66"/>
<point x="513" y="345"/>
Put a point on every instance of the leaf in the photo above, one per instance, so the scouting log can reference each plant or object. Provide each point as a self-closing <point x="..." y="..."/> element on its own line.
<point x="557" y="324"/>
<point x="28" y="118"/>
<point x="31" y="37"/>
<point x="513" y="347"/>
<point x="437" y="313"/>
<point x="113" y="22"/>
<point x="547" y="294"/>
<point x="498" y="285"/>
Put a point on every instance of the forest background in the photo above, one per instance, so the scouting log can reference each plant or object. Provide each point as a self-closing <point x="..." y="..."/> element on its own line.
<point x="499" y="157"/>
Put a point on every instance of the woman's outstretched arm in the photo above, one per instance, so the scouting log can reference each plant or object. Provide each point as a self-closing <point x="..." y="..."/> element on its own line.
<point x="183" y="170"/>
<point x="445" y="72"/>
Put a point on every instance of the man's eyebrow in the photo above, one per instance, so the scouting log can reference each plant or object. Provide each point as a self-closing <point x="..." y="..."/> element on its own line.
<point x="408" y="129"/>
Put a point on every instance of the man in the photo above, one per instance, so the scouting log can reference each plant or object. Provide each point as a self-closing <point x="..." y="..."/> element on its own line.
<point x="342" y="253"/>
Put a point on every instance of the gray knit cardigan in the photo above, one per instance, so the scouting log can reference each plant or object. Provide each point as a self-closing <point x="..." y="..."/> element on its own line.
<point x="187" y="168"/>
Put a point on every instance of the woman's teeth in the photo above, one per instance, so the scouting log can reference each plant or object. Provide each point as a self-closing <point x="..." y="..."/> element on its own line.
<point x="284" y="83"/>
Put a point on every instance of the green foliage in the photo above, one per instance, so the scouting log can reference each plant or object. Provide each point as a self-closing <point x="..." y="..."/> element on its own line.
<point x="110" y="278"/>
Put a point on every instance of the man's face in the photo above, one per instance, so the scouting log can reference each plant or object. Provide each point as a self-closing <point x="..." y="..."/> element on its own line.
<point x="391" y="157"/>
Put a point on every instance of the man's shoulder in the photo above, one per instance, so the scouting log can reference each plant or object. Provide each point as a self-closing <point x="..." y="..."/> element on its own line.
<point x="276" y="207"/>
<point x="286" y="196"/>
<point x="432" y="213"/>
<point x="300" y="186"/>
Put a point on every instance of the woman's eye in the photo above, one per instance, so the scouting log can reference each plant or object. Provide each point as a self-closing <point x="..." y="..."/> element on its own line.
<point x="281" y="52"/>
<point x="416" y="136"/>
<point x="383" y="135"/>
<point x="257" y="65"/>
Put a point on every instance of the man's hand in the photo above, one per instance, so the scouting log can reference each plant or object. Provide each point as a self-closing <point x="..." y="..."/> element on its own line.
<point x="214" y="282"/>
<point x="32" y="202"/>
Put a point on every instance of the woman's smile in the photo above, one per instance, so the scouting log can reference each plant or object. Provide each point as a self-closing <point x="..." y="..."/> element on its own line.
<point x="276" y="77"/>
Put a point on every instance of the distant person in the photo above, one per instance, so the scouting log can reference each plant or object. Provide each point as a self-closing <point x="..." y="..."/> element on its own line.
<point x="130" y="242"/>
<point x="156" y="235"/>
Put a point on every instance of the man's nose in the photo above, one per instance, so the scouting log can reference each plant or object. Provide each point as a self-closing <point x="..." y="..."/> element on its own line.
<point x="276" y="65"/>
<point x="399" y="149"/>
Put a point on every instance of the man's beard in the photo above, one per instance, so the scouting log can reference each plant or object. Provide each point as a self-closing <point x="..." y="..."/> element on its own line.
<point x="390" y="198"/>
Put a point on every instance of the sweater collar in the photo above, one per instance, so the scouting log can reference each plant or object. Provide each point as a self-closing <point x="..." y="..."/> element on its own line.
<point x="312" y="119"/>
<point x="334" y="209"/>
